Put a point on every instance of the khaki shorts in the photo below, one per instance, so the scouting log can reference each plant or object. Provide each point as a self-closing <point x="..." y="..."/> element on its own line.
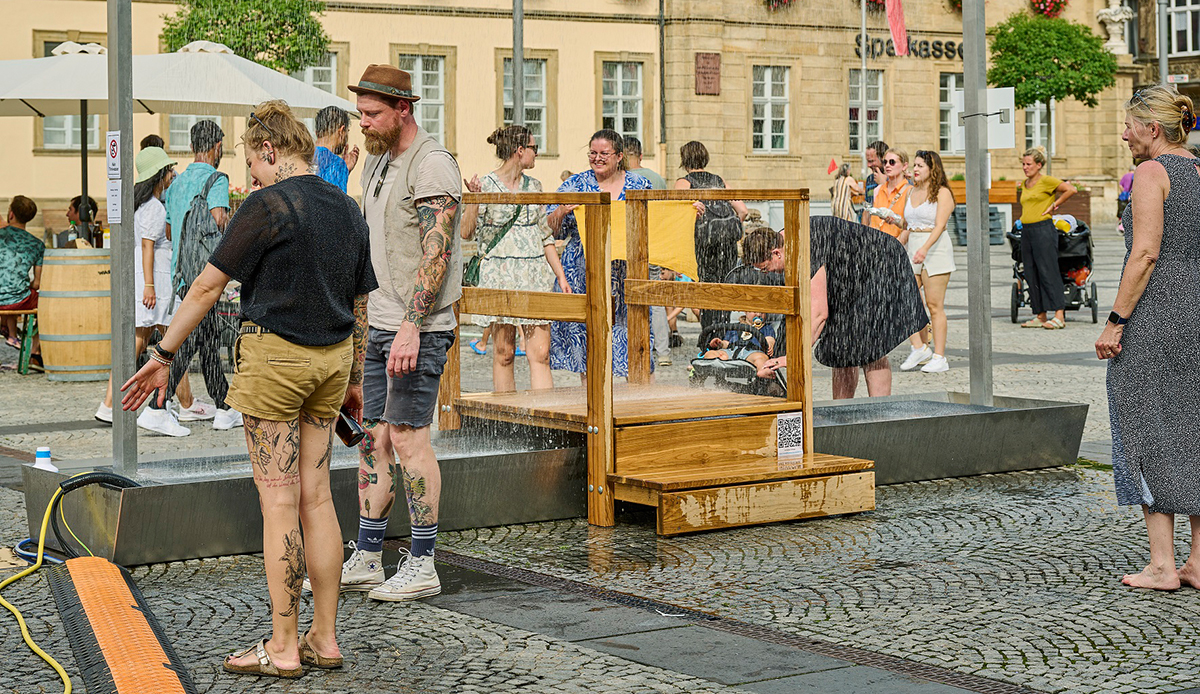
<point x="275" y="379"/>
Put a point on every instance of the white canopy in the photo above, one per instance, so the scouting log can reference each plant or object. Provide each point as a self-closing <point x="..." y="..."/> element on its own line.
<point x="202" y="78"/>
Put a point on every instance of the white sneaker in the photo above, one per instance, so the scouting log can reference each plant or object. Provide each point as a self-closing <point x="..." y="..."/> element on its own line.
<point x="361" y="572"/>
<point x="162" y="422"/>
<point x="415" y="577"/>
<point x="937" y="364"/>
<point x="227" y="419"/>
<point x="916" y="358"/>
<point x="103" y="414"/>
<point x="199" y="411"/>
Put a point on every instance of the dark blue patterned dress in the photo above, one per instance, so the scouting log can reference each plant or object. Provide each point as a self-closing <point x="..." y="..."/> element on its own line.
<point x="1154" y="383"/>
<point x="568" y="341"/>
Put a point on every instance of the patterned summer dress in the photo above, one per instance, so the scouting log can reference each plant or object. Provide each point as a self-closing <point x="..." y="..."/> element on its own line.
<point x="518" y="261"/>
<point x="1154" y="384"/>
<point x="568" y="341"/>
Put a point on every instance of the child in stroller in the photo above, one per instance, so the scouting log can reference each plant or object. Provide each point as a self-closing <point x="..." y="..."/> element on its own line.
<point x="754" y="346"/>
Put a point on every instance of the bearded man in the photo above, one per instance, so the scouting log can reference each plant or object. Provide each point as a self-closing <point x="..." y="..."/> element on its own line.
<point x="411" y="193"/>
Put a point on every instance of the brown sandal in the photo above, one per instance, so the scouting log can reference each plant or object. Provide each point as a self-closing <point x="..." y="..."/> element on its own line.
<point x="309" y="656"/>
<point x="265" y="667"/>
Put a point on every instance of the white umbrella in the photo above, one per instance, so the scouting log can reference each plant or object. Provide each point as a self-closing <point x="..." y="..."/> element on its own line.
<point x="202" y="78"/>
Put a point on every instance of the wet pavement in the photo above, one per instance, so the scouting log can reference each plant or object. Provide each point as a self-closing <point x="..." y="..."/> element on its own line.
<point x="998" y="583"/>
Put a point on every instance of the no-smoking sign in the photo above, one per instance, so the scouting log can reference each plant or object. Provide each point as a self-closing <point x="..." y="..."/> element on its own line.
<point x="113" y="153"/>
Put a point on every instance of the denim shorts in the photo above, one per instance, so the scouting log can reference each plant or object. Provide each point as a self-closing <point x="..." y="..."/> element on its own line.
<point x="410" y="399"/>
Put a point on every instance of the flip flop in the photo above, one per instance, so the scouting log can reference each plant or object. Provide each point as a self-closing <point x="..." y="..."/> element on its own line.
<point x="13" y="342"/>
<point x="474" y="345"/>
<point x="519" y="353"/>
<point x="265" y="667"/>
<point x="1033" y="323"/>
<point x="1054" y="324"/>
<point x="309" y="656"/>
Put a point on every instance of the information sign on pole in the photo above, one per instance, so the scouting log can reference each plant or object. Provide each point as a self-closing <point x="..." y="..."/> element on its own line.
<point x="112" y="154"/>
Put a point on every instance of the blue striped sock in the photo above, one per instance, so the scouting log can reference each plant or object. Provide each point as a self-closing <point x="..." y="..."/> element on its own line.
<point x="424" y="537"/>
<point x="370" y="534"/>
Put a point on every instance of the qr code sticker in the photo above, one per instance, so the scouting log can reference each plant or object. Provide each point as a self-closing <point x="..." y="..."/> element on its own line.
<point x="790" y="434"/>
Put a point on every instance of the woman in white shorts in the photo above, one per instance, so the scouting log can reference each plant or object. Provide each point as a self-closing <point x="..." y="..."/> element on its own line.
<point x="925" y="215"/>
<point x="152" y="274"/>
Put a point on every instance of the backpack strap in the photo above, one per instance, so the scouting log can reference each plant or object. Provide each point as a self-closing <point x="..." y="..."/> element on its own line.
<point x="212" y="180"/>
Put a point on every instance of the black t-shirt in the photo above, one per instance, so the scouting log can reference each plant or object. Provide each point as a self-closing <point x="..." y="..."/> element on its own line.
<point x="301" y="251"/>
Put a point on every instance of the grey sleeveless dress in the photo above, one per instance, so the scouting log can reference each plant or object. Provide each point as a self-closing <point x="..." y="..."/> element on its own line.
<point x="1154" y="384"/>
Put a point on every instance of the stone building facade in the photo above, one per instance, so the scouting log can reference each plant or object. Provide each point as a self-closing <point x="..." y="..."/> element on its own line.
<point x="772" y="100"/>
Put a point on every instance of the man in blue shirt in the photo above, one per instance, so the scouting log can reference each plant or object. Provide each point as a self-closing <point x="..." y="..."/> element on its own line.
<point x="334" y="161"/>
<point x="208" y="146"/>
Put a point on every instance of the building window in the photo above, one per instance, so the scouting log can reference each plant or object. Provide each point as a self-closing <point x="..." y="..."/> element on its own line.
<point x="179" y="131"/>
<point x="874" y="107"/>
<point x="949" y="83"/>
<point x="1185" y="27"/>
<point x="535" y="97"/>
<point x="769" y="109"/>
<point x="62" y="132"/>
<point x="1038" y="132"/>
<point x="429" y="82"/>
<point x="621" y="97"/>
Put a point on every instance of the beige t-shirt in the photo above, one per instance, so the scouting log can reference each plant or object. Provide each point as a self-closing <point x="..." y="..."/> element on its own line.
<point x="436" y="175"/>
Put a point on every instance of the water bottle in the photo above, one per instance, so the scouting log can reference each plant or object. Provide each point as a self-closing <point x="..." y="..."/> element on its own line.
<point x="42" y="459"/>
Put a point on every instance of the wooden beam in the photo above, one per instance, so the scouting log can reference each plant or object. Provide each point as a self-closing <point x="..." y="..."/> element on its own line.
<point x="718" y="194"/>
<point x="635" y="495"/>
<point x="536" y="198"/>
<point x="450" y="384"/>
<point x="506" y="302"/>
<point x="737" y="297"/>
<point x="637" y="245"/>
<point x="747" y="472"/>
<point x="768" y="502"/>
<point x="598" y="263"/>
<point x="643" y="450"/>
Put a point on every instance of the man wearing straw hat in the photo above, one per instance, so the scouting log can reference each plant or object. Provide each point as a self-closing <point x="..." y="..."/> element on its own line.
<point x="411" y="193"/>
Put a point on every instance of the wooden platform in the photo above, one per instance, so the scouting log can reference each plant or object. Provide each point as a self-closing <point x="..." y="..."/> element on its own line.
<point x="566" y="408"/>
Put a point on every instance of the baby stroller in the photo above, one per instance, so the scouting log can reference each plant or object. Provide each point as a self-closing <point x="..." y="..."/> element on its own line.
<point x="1074" y="261"/>
<point x="739" y="375"/>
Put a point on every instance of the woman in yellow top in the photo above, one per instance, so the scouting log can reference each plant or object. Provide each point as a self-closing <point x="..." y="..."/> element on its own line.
<point x="1041" y="196"/>
<point x="892" y="195"/>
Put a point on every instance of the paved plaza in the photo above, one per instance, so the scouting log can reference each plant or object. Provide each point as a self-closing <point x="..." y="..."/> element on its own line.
<point x="998" y="583"/>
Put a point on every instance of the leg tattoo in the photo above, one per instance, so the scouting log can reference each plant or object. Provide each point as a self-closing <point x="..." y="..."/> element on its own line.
<point x="419" y="510"/>
<point x="324" y="424"/>
<point x="293" y="578"/>
<point x="269" y="440"/>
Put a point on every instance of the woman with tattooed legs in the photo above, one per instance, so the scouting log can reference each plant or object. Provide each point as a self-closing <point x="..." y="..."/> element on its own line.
<point x="300" y="248"/>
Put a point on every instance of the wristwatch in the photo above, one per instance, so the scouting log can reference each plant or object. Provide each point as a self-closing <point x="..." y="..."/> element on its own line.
<point x="1116" y="319"/>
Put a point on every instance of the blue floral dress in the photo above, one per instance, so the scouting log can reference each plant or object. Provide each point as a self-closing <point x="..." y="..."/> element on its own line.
<point x="568" y="341"/>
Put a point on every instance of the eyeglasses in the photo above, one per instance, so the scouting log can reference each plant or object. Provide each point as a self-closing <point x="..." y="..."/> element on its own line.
<point x="602" y="156"/>
<point x="923" y="153"/>
<point x="1138" y="95"/>
<point x="533" y="146"/>
<point x="264" y="125"/>
<point x="891" y="162"/>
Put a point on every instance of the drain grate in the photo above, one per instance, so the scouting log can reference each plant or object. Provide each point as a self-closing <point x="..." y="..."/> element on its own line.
<point x="858" y="656"/>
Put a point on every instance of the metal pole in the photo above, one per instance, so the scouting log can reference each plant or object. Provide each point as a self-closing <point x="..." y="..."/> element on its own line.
<point x="662" y="77"/>
<point x="85" y="212"/>
<point x="979" y="278"/>
<point x="862" y="98"/>
<point x="1164" y="39"/>
<point x="518" y="62"/>
<point x="120" y="111"/>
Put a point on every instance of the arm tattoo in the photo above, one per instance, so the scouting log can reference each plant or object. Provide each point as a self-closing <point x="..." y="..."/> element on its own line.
<point x="273" y="445"/>
<point x="360" y="339"/>
<point x="293" y="577"/>
<point x="436" y="217"/>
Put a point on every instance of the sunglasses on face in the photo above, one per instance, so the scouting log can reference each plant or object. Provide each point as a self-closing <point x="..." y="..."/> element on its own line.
<point x="533" y="147"/>
<point x="891" y="162"/>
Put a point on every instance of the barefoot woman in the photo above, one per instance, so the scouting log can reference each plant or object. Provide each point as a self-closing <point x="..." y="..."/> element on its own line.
<point x="299" y="247"/>
<point x="1150" y="337"/>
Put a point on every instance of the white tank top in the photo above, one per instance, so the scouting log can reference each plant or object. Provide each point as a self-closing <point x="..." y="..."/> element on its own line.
<point x="922" y="217"/>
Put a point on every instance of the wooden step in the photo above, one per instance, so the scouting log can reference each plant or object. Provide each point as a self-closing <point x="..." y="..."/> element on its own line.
<point x="741" y="471"/>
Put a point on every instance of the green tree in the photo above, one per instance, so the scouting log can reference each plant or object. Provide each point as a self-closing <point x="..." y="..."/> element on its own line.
<point x="1043" y="59"/>
<point x="280" y="34"/>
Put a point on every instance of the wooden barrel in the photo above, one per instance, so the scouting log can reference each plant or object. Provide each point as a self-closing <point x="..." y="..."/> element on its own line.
<point x="73" y="314"/>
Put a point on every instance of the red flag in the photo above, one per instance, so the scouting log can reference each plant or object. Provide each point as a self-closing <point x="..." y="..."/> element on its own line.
<point x="895" y="15"/>
<point x="832" y="165"/>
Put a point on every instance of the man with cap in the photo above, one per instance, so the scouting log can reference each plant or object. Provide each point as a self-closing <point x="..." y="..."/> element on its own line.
<point x="411" y="193"/>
